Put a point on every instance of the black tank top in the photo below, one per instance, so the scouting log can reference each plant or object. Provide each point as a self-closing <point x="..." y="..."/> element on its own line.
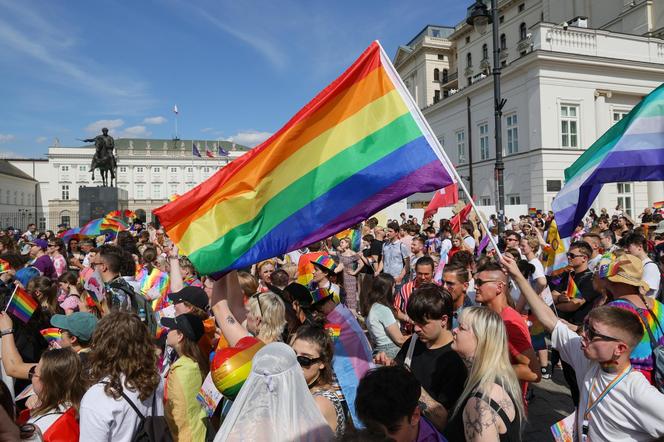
<point x="454" y="430"/>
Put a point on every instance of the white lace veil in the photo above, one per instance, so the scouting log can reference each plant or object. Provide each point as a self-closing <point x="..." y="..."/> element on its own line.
<point x="274" y="404"/>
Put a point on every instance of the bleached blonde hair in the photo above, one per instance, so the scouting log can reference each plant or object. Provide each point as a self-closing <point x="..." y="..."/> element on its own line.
<point x="491" y="362"/>
<point x="272" y="313"/>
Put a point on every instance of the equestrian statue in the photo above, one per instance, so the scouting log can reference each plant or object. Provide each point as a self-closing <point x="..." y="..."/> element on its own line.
<point x="104" y="158"/>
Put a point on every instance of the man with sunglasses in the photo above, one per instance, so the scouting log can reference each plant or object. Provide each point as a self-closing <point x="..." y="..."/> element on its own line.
<point x="616" y="402"/>
<point x="492" y="290"/>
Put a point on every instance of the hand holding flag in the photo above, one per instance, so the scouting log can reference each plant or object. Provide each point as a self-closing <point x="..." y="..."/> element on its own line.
<point x="21" y="304"/>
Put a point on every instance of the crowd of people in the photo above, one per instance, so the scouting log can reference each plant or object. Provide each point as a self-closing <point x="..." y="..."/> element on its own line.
<point x="404" y="332"/>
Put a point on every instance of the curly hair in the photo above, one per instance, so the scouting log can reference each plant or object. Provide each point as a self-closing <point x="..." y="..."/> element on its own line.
<point x="56" y="388"/>
<point x="122" y="347"/>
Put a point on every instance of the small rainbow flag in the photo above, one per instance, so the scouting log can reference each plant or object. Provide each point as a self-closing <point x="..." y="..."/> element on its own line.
<point x="658" y="205"/>
<point x="572" y="290"/>
<point x="22" y="305"/>
<point x="155" y="280"/>
<point x="532" y="212"/>
<point x="334" y="330"/>
<point x="4" y="266"/>
<point x="355" y="238"/>
<point x="51" y="334"/>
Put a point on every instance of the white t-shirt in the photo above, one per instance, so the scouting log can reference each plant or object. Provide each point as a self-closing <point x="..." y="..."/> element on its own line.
<point x="539" y="273"/>
<point x="379" y="318"/>
<point x="632" y="411"/>
<point x="445" y="247"/>
<point x="103" y="418"/>
<point x="651" y="275"/>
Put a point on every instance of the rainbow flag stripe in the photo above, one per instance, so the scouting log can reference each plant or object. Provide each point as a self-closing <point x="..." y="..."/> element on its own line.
<point x="333" y="329"/>
<point x="359" y="146"/>
<point x="51" y="334"/>
<point x="156" y="280"/>
<point x="4" y="266"/>
<point x="22" y="305"/>
<point x="572" y="290"/>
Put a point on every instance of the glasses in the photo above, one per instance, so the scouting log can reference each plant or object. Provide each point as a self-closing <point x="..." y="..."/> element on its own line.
<point x="306" y="361"/>
<point x="511" y="239"/>
<point x="590" y="334"/>
<point x="257" y="297"/>
<point x="480" y="282"/>
<point x="52" y="245"/>
<point x="573" y="256"/>
<point x="32" y="372"/>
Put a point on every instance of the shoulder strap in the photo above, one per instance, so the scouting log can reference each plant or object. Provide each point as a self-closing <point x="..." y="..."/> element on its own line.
<point x="411" y="350"/>
<point x="126" y="398"/>
<point x="47" y="414"/>
<point x="495" y="406"/>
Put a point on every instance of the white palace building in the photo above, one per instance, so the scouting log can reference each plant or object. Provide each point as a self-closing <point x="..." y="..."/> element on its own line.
<point x="570" y="69"/>
<point x="150" y="170"/>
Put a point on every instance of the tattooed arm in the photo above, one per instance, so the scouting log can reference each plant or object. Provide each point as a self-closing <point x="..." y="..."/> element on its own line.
<point x="480" y="422"/>
<point x="233" y="331"/>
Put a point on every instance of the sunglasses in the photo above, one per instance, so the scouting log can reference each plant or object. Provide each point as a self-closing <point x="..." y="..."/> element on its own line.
<point x="511" y="239"/>
<point x="306" y="361"/>
<point x="572" y="256"/>
<point x="591" y="335"/>
<point x="257" y="297"/>
<point x="480" y="282"/>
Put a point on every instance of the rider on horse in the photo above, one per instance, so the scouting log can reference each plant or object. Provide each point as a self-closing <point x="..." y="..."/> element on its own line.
<point x="104" y="159"/>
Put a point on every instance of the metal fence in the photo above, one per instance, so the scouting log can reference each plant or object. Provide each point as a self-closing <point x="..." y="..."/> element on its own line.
<point x="44" y="220"/>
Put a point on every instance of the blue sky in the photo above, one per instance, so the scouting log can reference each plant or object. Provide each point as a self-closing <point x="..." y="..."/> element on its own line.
<point x="237" y="70"/>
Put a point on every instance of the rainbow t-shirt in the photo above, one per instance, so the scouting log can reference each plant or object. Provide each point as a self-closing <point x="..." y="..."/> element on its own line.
<point x="641" y="356"/>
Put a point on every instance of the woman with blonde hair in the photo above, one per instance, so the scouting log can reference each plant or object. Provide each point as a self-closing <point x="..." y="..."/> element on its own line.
<point x="264" y="271"/>
<point x="489" y="407"/>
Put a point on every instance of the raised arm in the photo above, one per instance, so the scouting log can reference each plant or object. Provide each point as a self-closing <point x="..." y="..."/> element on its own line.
<point x="537" y="305"/>
<point x="11" y="359"/>
<point x="175" y="273"/>
<point x="230" y="326"/>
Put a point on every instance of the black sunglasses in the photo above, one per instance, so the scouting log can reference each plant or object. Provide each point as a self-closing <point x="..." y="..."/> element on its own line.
<point x="257" y="296"/>
<point x="306" y="362"/>
<point x="592" y="334"/>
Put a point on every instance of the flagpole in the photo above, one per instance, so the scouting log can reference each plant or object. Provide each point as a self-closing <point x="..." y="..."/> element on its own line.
<point x="10" y="299"/>
<point x="433" y="140"/>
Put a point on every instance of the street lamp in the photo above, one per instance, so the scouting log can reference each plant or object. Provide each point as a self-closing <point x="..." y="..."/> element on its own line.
<point x="479" y="17"/>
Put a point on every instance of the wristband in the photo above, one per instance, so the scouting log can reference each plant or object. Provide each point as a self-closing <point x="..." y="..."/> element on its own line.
<point x="6" y="331"/>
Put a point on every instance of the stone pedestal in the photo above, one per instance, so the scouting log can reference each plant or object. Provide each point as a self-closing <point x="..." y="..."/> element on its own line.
<point x="95" y="202"/>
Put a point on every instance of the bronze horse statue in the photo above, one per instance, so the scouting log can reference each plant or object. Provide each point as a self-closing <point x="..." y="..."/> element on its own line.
<point x="103" y="159"/>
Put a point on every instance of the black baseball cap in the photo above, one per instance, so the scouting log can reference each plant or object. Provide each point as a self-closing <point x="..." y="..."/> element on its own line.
<point x="299" y="293"/>
<point x="188" y="324"/>
<point x="193" y="295"/>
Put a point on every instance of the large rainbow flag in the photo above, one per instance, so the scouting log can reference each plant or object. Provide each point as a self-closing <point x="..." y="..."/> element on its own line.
<point x="359" y="146"/>
<point x="631" y="150"/>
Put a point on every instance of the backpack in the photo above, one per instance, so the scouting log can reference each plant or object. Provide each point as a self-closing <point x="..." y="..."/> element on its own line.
<point x="151" y="428"/>
<point x="138" y="304"/>
<point x="657" y="348"/>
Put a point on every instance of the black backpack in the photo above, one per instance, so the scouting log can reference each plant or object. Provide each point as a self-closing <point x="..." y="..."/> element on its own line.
<point x="151" y="428"/>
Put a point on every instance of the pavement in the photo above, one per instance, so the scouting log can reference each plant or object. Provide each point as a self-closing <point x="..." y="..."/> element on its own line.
<point x="551" y="403"/>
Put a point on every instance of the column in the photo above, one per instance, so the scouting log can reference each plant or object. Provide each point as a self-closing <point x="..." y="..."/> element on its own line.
<point x="605" y="198"/>
<point x="655" y="191"/>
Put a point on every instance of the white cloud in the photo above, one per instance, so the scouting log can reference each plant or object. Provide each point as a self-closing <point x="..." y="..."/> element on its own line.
<point x="207" y="129"/>
<point x="5" y="138"/>
<point x="96" y="126"/>
<point x="41" y="139"/>
<point x="135" y="132"/>
<point x="154" y="120"/>
<point x="249" y="137"/>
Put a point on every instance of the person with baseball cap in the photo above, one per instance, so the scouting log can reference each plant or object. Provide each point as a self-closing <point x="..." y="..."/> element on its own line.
<point x="76" y="331"/>
<point x="194" y="300"/>
<point x="623" y="280"/>
<point x="41" y="260"/>
<point x="184" y="414"/>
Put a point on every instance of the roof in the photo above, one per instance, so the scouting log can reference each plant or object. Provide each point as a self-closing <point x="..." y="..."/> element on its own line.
<point x="433" y="31"/>
<point x="156" y="144"/>
<point x="6" y="168"/>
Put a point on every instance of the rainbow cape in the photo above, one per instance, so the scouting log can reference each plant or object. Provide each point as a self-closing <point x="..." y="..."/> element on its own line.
<point x="573" y="291"/>
<point x="357" y="147"/>
<point x="157" y="281"/>
<point x="22" y="305"/>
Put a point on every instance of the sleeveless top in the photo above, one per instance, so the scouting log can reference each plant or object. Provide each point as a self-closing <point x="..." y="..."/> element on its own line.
<point x="455" y="429"/>
<point x="338" y="409"/>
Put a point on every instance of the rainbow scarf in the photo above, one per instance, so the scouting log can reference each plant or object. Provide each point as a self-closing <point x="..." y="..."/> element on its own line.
<point x="359" y="146"/>
<point x="572" y="290"/>
<point x="22" y="305"/>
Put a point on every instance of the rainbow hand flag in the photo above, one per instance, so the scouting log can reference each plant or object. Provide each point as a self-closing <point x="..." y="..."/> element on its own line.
<point x="22" y="305"/>
<point x="51" y="334"/>
<point x="355" y="237"/>
<point x="573" y="291"/>
<point x="359" y="146"/>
